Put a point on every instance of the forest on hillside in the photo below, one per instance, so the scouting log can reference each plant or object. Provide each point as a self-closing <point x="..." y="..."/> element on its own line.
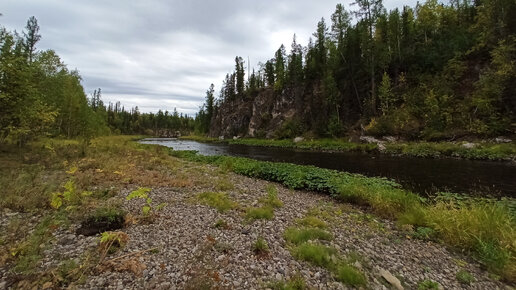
<point x="40" y="96"/>
<point x="433" y="71"/>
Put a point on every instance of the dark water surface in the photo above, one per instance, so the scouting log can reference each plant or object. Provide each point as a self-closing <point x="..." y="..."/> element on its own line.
<point x="418" y="174"/>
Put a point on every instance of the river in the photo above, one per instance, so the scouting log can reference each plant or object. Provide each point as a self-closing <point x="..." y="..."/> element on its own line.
<point x="421" y="175"/>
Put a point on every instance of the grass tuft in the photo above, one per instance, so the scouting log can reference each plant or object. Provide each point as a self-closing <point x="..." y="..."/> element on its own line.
<point x="428" y="285"/>
<point x="218" y="200"/>
<point x="298" y="236"/>
<point x="350" y="275"/>
<point x="312" y="222"/>
<point x="465" y="277"/>
<point x="256" y="213"/>
<point x="316" y="254"/>
<point x="260" y="246"/>
<point x="272" y="199"/>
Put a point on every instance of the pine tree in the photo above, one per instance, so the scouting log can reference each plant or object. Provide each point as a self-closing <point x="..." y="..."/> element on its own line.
<point x="32" y="37"/>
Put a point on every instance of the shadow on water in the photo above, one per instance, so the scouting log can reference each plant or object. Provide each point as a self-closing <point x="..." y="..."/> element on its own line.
<point x="421" y="175"/>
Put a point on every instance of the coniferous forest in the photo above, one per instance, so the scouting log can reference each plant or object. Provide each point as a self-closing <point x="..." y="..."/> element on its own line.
<point x="434" y="71"/>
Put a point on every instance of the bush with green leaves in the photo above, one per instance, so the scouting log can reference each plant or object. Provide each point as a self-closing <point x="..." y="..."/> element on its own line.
<point x="69" y="197"/>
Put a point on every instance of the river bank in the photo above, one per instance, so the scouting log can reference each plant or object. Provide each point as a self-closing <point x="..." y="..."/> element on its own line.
<point x="504" y="149"/>
<point x="217" y="229"/>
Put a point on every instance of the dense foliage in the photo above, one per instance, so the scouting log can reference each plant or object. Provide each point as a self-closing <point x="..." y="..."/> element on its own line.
<point x="39" y="95"/>
<point x="433" y="71"/>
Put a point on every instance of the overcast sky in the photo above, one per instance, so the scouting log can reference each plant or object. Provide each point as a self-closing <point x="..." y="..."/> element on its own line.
<point x="159" y="54"/>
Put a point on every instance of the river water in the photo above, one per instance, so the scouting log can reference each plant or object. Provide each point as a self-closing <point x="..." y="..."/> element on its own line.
<point x="421" y="175"/>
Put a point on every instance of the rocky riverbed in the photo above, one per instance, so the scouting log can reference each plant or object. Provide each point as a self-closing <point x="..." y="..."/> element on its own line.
<point x="182" y="247"/>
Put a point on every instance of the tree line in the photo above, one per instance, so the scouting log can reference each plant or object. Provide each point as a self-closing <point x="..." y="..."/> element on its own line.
<point x="431" y="71"/>
<point x="40" y="96"/>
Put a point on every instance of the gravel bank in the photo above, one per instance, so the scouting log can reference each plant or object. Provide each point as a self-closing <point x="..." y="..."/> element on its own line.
<point x="186" y="250"/>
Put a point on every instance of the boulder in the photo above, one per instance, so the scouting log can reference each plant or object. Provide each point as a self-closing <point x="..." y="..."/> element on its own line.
<point x="469" y="145"/>
<point x="298" y="139"/>
<point x="391" y="279"/>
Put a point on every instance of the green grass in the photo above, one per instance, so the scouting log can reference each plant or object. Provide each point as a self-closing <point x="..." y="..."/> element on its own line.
<point x="108" y="213"/>
<point x="295" y="283"/>
<point x="482" y="151"/>
<point x="298" y="236"/>
<point x="350" y="275"/>
<point x="486" y="228"/>
<point x="317" y="144"/>
<point x="224" y="184"/>
<point x="256" y="213"/>
<point x="29" y="252"/>
<point x="314" y="253"/>
<point x="427" y="285"/>
<point x="465" y="277"/>
<point x="218" y="200"/>
<point x="312" y="222"/>
<point x="260" y="246"/>
<point x="272" y="199"/>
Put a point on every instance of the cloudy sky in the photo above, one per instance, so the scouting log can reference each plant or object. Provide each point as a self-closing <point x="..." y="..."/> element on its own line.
<point x="159" y="54"/>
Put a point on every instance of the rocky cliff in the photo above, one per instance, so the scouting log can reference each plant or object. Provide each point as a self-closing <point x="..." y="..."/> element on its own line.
<point x="262" y="114"/>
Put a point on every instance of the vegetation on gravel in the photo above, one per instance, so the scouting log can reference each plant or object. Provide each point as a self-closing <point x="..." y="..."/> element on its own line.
<point x="57" y="182"/>
<point x="218" y="200"/>
<point x="486" y="227"/>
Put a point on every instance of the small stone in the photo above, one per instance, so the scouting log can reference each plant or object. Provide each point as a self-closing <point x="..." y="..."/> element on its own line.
<point x="279" y="276"/>
<point x="298" y="139"/>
